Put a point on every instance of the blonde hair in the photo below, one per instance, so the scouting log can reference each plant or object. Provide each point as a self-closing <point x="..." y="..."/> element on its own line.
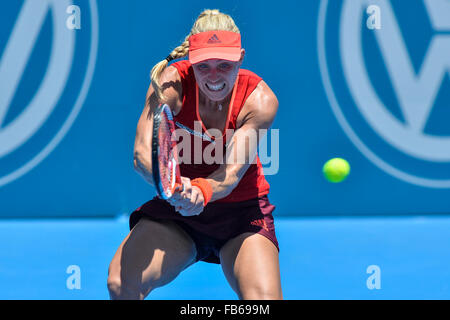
<point x="208" y="20"/>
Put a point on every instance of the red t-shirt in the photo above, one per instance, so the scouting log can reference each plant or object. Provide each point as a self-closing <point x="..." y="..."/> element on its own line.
<point x="253" y="184"/>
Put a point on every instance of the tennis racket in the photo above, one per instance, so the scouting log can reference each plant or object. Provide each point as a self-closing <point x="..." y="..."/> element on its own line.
<point x="166" y="171"/>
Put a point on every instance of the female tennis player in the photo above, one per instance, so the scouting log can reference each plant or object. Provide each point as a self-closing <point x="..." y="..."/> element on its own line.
<point x="223" y="214"/>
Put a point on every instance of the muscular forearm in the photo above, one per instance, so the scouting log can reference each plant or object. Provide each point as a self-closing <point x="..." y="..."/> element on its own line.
<point x="143" y="166"/>
<point x="241" y="152"/>
<point x="225" y="179"/>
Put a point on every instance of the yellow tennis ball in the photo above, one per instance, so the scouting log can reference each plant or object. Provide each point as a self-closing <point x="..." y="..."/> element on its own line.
<point x="336" y="170"/>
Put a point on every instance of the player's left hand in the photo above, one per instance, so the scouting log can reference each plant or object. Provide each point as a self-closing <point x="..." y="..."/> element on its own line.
<point x="190" y="201"/>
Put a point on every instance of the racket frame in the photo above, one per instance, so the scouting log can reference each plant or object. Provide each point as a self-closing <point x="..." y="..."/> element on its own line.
<point x="162" y="108"/>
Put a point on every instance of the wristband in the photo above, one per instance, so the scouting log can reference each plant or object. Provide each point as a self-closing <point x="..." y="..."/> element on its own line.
<point x="204" y="187"/>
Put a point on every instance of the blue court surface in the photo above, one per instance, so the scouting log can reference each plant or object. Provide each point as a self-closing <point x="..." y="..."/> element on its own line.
<point x="321" y="258"/>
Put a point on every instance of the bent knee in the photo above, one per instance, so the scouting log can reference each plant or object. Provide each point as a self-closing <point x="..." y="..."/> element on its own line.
<point x="114" y="288"/>
<point x="121" y="290"/>
<point x="260" y="293"/>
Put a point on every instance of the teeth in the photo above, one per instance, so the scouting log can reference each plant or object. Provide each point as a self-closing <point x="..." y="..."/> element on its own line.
<point x="216" y="87"/>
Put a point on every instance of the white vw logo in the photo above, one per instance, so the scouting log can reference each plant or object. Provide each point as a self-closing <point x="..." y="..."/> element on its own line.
<point x="416" y="92"/>
<point x="14" y="60"/>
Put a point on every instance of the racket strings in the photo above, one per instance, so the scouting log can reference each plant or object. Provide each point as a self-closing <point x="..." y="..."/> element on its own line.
<point x="166" y="153"/>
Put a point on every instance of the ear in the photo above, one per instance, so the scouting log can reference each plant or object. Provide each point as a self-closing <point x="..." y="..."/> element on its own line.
<point x="242" y="56"/>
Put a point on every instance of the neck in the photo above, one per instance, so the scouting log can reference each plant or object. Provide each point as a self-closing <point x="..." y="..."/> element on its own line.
<point x="211" y="104"/>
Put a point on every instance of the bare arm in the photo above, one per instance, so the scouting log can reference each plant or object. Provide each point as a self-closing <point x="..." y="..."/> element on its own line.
<point x="258" y="113"/>
<point x="171" y="83"/>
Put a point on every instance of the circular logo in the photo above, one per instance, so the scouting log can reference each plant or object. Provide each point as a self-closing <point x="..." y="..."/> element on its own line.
<point x="388" y="88"/>
<point x="46" y="69"/>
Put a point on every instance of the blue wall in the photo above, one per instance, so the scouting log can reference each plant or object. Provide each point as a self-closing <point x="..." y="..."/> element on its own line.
<point x="78" y="160"/>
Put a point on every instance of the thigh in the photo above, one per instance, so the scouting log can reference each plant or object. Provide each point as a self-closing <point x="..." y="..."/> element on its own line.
<point x="152" y="255"/>
<point x="250" y="264"/>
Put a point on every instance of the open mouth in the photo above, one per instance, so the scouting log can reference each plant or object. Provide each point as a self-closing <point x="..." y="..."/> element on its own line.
<point x="215" y="88"/>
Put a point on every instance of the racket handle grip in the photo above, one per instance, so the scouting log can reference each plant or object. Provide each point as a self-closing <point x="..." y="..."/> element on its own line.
<point x="179" y="187"/>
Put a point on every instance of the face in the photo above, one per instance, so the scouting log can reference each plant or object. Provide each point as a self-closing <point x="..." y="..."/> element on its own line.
<point x="216" y="77"/>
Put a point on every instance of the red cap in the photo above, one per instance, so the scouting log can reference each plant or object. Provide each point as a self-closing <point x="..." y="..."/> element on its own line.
<point x="217" y="44"/>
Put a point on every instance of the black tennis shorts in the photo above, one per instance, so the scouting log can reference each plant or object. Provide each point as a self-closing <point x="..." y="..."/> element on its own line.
<point x="218" y="223"/>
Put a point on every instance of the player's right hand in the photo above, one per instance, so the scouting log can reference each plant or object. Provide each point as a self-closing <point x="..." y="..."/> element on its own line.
<point x="187" y="201"/>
